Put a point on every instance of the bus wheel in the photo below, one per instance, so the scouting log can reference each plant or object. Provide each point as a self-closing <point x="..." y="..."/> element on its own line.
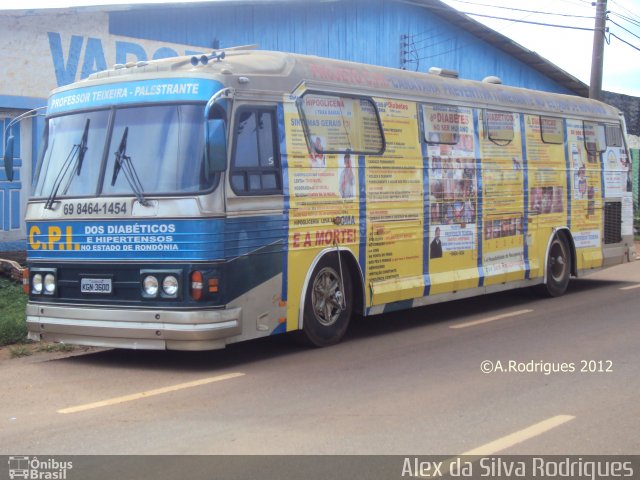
<point x="558" y="267"/>
<point x="328" y="306"/>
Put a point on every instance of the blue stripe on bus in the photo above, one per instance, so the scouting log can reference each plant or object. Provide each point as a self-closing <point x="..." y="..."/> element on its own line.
<point x="142" y="91"/>
<point x="362" y="206"/>
<point x="244" y="235"/>
<point x="479" y="188"/>
<point x="210" y="239"/>
<point x="285" y="190"/>
<point x="525" y="217"/>
<point x="569" y="170"/>
<point x="427" y="210"/>
<point x="281" y="328"/>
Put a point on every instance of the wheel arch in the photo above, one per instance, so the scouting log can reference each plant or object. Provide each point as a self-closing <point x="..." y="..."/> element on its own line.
<point x="564" y="233"/>
<point x="357" y="278"/>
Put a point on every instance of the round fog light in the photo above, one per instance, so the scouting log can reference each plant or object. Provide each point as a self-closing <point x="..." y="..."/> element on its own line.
<point x="150" y="285"/>
<point x="36" y="282"/>
<point x="170" y="285"/>
<point x="49" y="283"/>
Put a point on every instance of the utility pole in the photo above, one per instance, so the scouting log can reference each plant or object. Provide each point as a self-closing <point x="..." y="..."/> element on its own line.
<point x="597" y="57"/>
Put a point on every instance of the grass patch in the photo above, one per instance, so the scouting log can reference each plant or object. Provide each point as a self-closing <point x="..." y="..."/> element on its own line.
<point x="54" y="347"/>
<point x="18" y="351"/>
<point x="13" y="325"/>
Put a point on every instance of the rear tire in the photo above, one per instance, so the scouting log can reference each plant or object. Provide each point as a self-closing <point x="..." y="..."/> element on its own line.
<point x="327" y="308"/>
<point x="558" y="267"/>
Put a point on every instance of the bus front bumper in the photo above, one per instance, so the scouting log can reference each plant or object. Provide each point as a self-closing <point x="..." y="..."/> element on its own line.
<point x="133" y="328"/>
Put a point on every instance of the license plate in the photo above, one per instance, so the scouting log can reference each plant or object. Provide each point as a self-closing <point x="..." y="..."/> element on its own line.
<point x="95" y="285"/>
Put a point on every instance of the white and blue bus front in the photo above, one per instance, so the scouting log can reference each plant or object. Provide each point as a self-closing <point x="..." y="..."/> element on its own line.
<point x="126" y="221"/>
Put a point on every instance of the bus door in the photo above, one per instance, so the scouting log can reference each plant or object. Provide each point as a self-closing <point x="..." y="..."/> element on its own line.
<point x="255" y="226"/>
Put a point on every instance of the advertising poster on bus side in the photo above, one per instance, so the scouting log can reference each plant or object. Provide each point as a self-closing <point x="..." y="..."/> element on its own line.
<point x="395" y="208"/>
<point x="453" y="200"/>
<point x="503" y="219"/>
<point x="586" y="201"/>
<point x="323" y="193"/>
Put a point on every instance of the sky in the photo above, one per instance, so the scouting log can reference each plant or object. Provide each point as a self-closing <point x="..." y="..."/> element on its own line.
<point x="570" y="49"/>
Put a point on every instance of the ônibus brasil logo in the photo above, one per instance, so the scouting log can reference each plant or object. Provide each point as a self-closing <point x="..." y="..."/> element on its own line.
<point x="34" y="469"/>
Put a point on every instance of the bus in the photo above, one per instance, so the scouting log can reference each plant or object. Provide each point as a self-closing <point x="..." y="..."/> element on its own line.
<point x="193" y="202"/>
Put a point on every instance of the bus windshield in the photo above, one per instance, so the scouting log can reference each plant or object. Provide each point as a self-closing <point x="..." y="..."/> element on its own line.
<point x="164" y="150"/>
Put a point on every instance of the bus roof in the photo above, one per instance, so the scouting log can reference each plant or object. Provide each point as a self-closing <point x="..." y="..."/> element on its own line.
<point x="280" y="72"/>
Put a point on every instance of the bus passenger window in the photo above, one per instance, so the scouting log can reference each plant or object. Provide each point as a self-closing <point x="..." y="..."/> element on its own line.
<point x="341" y="124"/>
<point x="594" y="139"/>
<point x="499" y="127"/>
<point x="613" y="136"/>
<point x="255" y="168"/>
<point x="552" y="130"/>
<point x="442" y="124"/>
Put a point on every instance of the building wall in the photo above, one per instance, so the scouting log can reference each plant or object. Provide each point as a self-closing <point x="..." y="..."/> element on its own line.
<point x="42" y="50"/>
<point x="365" y="31"/>
<point x="45" y="49"/>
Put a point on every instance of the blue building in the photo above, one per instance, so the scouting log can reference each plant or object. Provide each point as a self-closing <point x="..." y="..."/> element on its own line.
<point x="44" y="49"/>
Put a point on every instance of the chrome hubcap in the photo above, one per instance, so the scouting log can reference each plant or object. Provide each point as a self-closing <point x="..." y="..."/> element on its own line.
<point x="326" y="297"/>
<point x="557" y="261"/>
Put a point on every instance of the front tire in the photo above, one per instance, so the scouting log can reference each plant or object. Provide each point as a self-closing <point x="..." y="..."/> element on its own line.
<point x="558" y="267"/>
<point x="327" y="307"/>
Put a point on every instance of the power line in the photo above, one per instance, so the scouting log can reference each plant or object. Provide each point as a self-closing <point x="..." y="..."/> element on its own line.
<point x="624" y="41"/>
<point x="625" y="9"/>
<point x="628" y="19"/>
<point x="626" y="30"/>
<point x="431" y="45"/>
<point x="524" y="10"/>
<point x="571" y="27"/>
<point x="447" y="9"/>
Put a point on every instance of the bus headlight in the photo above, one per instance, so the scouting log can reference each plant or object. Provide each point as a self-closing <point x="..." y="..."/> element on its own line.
<point x="49" y="284"/>
<point x="150" y="286"/>
<point x="170" y="286"/>
<point x="36" y="283"/>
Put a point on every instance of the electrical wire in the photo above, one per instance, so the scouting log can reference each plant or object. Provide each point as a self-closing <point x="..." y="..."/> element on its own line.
<point x="625" y="9"/>
<point x="524" y="10"/>
<point x="624" y="41"/>
<point x="571" y="27"/>
<point x="628" y="31"/>
<point x="630" y="20"/>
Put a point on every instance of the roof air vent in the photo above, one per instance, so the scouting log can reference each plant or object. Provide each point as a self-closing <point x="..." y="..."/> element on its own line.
<point x="443" y="72"/>
<point x="492" y="79"/>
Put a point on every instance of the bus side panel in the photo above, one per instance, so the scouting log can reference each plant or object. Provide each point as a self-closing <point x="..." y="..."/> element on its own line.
<point x="586" y="207"/>
<point x="395" y="212"/>
<point x="548" y="193"/>
<point x="321" y="215"/>
<point x="452" y="241"/>
<point x="503" y="210"/>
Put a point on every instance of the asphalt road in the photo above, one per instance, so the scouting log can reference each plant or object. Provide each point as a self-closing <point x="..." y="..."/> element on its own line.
<point x="408" y="383"/>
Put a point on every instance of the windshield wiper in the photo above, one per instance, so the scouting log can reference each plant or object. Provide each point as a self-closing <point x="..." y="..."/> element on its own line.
<point x="74" y="159"/>
<point x="123" y="161"/>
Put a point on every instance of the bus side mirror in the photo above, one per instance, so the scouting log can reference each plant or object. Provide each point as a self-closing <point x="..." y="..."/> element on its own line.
<point x="8" y="158"/>
<point x="216" y="147"/>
